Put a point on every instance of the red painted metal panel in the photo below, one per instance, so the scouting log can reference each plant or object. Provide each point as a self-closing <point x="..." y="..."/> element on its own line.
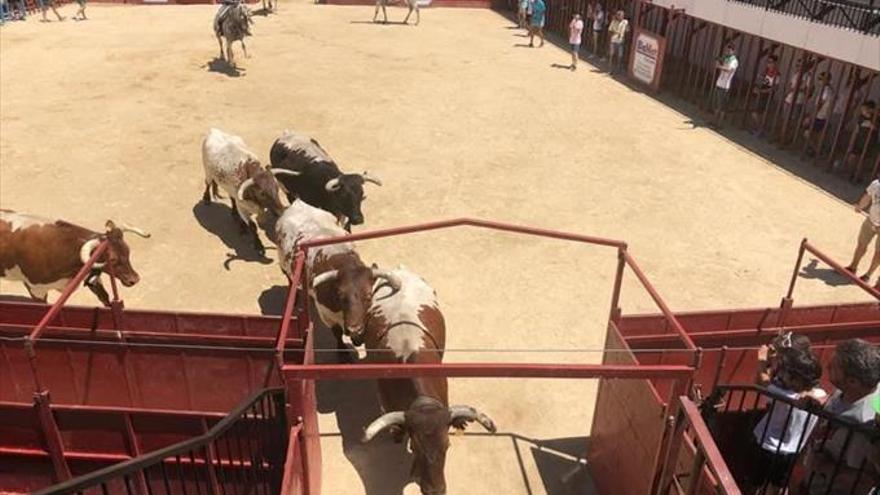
<point x="627" y="428"/>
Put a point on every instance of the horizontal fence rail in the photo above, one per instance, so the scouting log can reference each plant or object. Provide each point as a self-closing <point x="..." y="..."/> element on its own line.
<point x="815" y="451"/>
<point x="862" y="16"/>
<point x="243" y="452"/>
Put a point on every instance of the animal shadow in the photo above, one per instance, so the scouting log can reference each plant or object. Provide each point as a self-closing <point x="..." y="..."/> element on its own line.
<point x="217" y="219"/>
<point x="272" y="300"/>
<point x="827" y="275"/>
<point x="382" y="465"/>
<point x="221" y="66"/>
<point x="264" y="11"/>
<point x="380" y="23"/>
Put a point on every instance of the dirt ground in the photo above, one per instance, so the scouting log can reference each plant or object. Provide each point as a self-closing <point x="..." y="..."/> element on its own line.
<point x="103" y="119"/>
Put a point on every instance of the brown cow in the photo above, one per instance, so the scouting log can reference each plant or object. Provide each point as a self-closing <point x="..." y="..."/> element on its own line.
<point x="45" y="254"/>
<point x="406" y="326"/>
<point x="342" y="284"/>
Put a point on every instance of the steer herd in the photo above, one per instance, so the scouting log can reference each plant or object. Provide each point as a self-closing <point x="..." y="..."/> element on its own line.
<point x="393" y="313"/>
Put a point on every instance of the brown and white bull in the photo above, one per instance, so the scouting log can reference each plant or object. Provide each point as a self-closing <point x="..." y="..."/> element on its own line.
<point x="230" y="164"/>
<point x="405" y="325"/>
<point x="45" y="254"/>
<point x="341" y="284"/>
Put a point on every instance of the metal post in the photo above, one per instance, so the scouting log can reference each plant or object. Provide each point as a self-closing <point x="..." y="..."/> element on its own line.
<point x="51" y="436"/>
<point x="618" y="282"/>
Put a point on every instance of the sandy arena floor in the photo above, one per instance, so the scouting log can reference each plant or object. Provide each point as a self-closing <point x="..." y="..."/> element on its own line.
<point x="103" y="119"/>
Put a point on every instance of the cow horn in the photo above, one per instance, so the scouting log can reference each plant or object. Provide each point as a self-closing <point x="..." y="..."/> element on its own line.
<point x="368" y="178"/>
<point x="85" y="252"/>
<point x="382" y="422"/>
<point x="332" y="185"/>
<point x="392" y="279"/>
<point x="468" y="413"/>
<point x="280" y="171"/>
<point x="325" y="277"/>
<point x="243" y="187"/>
<point x="135" y="230"/>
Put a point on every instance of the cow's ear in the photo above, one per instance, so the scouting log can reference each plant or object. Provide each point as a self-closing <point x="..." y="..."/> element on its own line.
<point x="110" y="225"/>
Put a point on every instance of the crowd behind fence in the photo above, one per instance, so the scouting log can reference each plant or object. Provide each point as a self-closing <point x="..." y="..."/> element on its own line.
<point x="859" y="15"/>
<point x="848" y="449"/>
<point x="787" y="112"/>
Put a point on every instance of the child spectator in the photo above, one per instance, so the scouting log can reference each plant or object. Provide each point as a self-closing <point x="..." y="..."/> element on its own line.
<point x="764" y="92"/>
<point x="768" y="355"/>
<point x="575" y="31"/>
<point x="782" y="431"/>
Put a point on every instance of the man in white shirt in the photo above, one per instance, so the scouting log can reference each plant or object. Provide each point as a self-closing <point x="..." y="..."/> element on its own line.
<point x="726" y="67"/>
<point x="870" y="227"/>
<point x="825" y="102"/>
<point x="598" y="26"/>
<point x="617" y="31"/>
<point x="840" y="463"/>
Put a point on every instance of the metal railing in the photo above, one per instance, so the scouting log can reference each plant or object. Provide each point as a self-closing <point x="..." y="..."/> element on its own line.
<point x="243" y="452"/>
<point x="707" y="472"/>
<point x="862" y="16"/>
<point x="823" y="452"/>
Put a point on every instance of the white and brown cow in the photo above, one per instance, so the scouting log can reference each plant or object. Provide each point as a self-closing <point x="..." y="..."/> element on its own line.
<point x="45" y="254"/>
<point x="230" y="164"/>
<point x="341" y="284"/>
<point x="405" y="325"/>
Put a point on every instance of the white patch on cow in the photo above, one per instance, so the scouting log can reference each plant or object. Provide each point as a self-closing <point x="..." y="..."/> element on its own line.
<point x="40" y="291"/>
<point x="403" y="306"/>
<point x="302" y="222"/>
<point x="303" y="144"/>
<point x="18" y="221"/>
<point x="224" y="157"/>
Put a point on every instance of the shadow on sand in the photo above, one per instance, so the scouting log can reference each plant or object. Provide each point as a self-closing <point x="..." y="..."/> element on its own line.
<point x="218" y="219"/>
<point x="382" y="465"/>
<point x="828" y="275"/>
<point x="221" y="66"/>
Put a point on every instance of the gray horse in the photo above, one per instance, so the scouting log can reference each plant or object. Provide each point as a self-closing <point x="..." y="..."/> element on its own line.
<point x="412" y="4"/>
<point x="232" y="22"/>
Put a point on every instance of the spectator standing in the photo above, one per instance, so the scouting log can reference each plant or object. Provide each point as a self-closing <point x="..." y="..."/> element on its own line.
<point x="617" y="33"/>
<point x="726" y="67"/>
<point x="813" y="130"/>
<point x="869" y="229"/>
<point x="864" y="132"/>
<point x="537" y="22"/>
<point x="840" y="459"/>
<point x="46" y="5"/>
<point x="598" y="26"/>
<point x="782" y="431"/>
<point x="521" y="13"/>
<point x="798" y="93"/>
<point x="575" y="33"/>
<point x="764" y="92"/>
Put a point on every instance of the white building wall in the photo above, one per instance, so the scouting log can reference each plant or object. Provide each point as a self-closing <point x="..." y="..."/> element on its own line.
<point x="831" y="41"/>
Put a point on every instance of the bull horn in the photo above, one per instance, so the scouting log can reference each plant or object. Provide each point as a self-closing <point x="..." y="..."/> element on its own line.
<point x="332" y="185"/>
<point x="392" y="279"/>
<point x="243" y="187"/>
<point x="469" y="414"/>
<point x="85" y="252"/>
<point x="384" y="421"/>
<point x="369" y="178"/>
<point x="280" y="171"/>
<point x="135" y="230"/>
<point x="325" y="277"/>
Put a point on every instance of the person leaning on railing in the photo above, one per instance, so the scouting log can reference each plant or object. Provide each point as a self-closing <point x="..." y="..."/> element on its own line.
<point x="840" y="460"/>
